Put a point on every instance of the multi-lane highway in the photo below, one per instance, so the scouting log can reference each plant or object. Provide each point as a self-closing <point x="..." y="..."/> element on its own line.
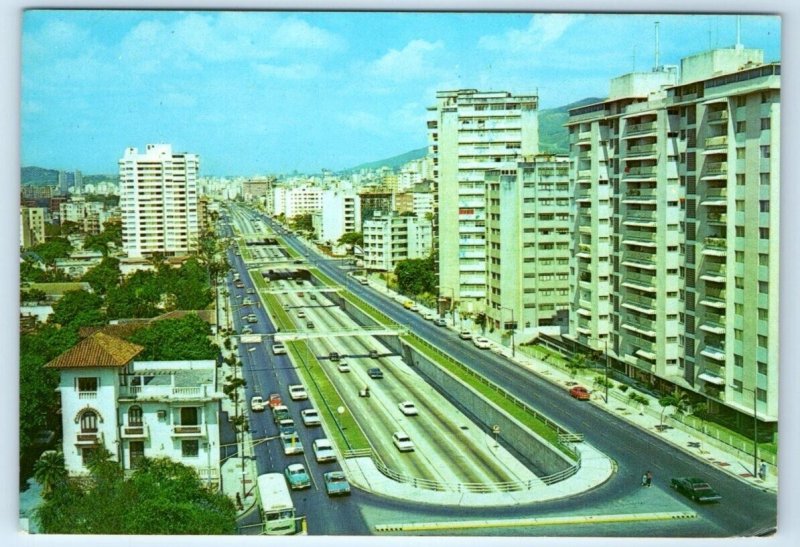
<point x="744" y="510"/>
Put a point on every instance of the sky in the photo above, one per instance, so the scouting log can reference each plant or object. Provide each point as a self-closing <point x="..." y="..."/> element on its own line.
<point x="274" y="92"/>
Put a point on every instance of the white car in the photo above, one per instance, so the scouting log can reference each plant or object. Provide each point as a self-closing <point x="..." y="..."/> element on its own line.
<point x="430" y="316"/>
<point x="278" y="348"/>
<point x="481" y="342"/>
<point x="465" y="335"/>
<point x="310" y="417"/>
<point x="257" y="404"/>
<point x="301" y="314"/>
<point x="297" y="392"/>
<point x="408" y="408"/>
<point x="402" y="442"/>
<point x="343" y="367"/>
<point x="323" y="451"/>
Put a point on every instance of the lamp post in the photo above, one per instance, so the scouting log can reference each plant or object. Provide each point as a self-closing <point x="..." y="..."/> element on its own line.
<point x="513" y="328"/>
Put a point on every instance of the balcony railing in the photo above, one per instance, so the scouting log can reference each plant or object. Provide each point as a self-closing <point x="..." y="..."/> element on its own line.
<point x="717" y="168"/>
<point x="135" y="431"/>
<point x="86" y="438"/>
<point x="715" y="242"/>
<point x="634" y="129"/>
<point x="87" y="395"/>
<point x="717" y="116"/>
<point x="635" y="256"/>
<point x="718" y="218"/>
<point x="641" y="172"/>
<point x="642" y="150"/>
<point x="717" y="142"/>
<point x="197" y="430"/>
<point x="639" y="300"/>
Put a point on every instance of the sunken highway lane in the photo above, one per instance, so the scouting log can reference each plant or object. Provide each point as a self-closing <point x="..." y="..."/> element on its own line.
<point x="744" y="510"/>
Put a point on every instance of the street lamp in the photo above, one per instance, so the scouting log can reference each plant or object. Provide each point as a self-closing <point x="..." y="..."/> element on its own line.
<point x="513" y="328"/>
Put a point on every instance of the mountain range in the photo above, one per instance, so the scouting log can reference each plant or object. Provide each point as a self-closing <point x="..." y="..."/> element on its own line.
<point x="553" y="138"/>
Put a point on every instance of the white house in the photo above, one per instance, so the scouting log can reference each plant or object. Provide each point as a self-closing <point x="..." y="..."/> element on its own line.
<point x="137" y="409"/>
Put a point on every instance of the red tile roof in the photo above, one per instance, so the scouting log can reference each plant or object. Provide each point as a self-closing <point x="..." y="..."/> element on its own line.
<point x="98" y="350"/>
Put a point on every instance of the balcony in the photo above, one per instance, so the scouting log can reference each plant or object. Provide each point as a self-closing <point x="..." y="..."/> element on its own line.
<point x="717" y="116"/>
<point x="648" y="239"/>
<point x="189" y="431"/>
<point x="717" y="218"/>
<point x="715" y="170"/>
<point x="640" y="173"/>
<point x="641" y="150"/>
<point x="141" y="431"/>
<point x="637" y="257"/>
<point x="640" y="218"/>
<point x="713" y="302"/>
<point x="712" y="326"/>
<point x="639" y="326"/>
<point x="163" y="391"/>
<point x="639" y="128"/>
<point x="87" y="395"/>
<point x="713" y="353"/>
<point x="714" y="143"/>
<point x="584" y="174"/>
<point x="89" y="438"/>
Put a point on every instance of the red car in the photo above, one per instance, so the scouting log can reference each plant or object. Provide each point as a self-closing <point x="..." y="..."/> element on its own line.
<point x="274" y="400"/>
<point x="580" y="393"/>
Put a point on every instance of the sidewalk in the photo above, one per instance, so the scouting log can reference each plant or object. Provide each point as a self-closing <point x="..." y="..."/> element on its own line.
<point x="646" y="418"/>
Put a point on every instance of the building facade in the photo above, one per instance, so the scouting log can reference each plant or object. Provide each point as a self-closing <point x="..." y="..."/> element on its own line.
<point x="31" y="226"/>
<point x="529" y="245"/>
<point x="676" y="185"/>
<point x="341" y="215"/>
<point x="470" y="133"/>
<point x="137" y="409"/>
<point x="158" y="199"/>
<point x="390" y="239"/>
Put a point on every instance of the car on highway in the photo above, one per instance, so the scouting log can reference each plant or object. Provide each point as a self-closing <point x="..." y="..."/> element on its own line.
<point x="301" y="314"/>
<point x="257" y="404"/>
<point x="280" y="412"/>
<point x="336" y="483"/>
<point x="297" y="392"/>
<point x="251" y="290"/>
<point x="363" y="280"/>
<point x="375" y="373"/>
<point x="251" y="318"/>
<point x="695" y="489"/>
<point x="312" y="296"/>
<point x="309" y="324"/>
<point x="239" y="284"/>
<point x="286" y="427"/>
<point x="373" y="354"/>
<point x="402" y="441"/>
<point x="278" y="348"/>
<point x="408" y="408"/>
<point x="481" y="342"/>
<point x="333" y="356"/>
<point x="465" y="335"/>
<point x="310" y="417"/>
<point x="323" y="451"/>
<point x="297" y="476"/>
<point x="247" y="302"/>
<point x="408" y="304"/>
<point x="440" y="322"/>
<point x="580" y="393"/>
<point x="275" y="400"/>
<point x="247" y="329"/>
<point x="291" y="444"/>
<point x="343" y="367"/>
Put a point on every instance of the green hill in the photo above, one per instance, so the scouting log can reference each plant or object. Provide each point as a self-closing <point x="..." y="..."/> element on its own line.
<point x="395" y="162"/>
<point x="553" y="136"/>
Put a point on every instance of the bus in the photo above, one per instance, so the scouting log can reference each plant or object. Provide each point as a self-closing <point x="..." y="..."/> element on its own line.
<point x="277" y="509"/>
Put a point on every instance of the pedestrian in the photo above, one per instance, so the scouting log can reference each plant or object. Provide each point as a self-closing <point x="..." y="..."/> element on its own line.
<point x="649" y="479"/>
<point x="644" y="479"/>
<point x="762" y="470"/>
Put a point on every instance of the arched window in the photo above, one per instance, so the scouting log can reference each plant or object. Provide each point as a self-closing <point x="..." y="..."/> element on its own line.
<point x="89" y="422"/>
<point x="135" y="416"/>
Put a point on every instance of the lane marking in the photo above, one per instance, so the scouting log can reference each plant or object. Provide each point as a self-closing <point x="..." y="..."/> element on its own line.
<point x="545" y="521"/>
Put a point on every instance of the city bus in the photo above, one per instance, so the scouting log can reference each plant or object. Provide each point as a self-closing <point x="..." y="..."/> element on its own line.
<point x="277" y="509"/>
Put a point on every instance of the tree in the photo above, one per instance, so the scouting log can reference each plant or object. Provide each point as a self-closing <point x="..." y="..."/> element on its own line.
<point x="416" y="276"/>
<point x="302" y="223"/>
<point x="50" y="471"/>
<point x="160" y="497"/>
<point x="351" y="238"/>
<point x="176" y="340"/>
<point x="576" y="362"/>
<point x="57" y="247"/>
<point x="112" y="233"/>
<point x="78" y="309"/>
<point x="103" y="277"/>
<point x="677" y="400"/>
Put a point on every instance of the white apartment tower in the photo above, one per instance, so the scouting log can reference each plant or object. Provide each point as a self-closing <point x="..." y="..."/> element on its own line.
<point x="471" y="132"/>
<point x="390" y="239"/>
<point x="158" y="198"/>
<point x="676" y="228"/>
<point x="31" y="226"/>
<point x="528" y="244"/>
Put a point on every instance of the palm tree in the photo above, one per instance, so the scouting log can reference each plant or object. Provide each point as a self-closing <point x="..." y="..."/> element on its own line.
<point x="678" y="400"/>
<point x="50" y="471"/>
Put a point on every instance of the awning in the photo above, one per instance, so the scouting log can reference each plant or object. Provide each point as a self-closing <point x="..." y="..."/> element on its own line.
<point x="710" y="378"/>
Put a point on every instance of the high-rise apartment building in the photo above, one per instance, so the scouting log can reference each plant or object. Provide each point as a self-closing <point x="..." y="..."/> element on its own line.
<point x="471" y="132"/>
<point x="292" y="201"/>
<point x="390" y="239"/>
<point x="341" y="215"/>
<point x="158" y="198"/>
<point x="528" y="246"/>
<point x="31" y="226"/>
<point x="676" y="186"/>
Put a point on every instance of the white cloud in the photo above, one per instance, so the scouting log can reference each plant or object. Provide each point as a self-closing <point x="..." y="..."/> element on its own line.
<point x="294" y="33"/>
<point x="413" y="61"/>
<point x="363" y="121"/>
<point x="542" y="31"/>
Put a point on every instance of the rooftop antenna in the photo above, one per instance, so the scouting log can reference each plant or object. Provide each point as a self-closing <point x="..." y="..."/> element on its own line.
<point x="657" y="63"/>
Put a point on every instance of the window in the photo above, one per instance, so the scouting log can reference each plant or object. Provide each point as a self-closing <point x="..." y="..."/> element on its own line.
<point x="87" y="384"/>
<point x="763" y="314"/>
<point x="740" y="231"/>
<point x="135" y="416"/>
<point x="763" y="259"/>
<point x="762" y="341"/>
<point x="762" y="368"/>
<point x="741" y="100"/>
<point x="190" y="449"/>
<point x="763" y="287"/>
<point x="765" y="151"/>
<point x="189" y="416"/>
<point x="763" y="205"/>
<point x="740" y="153"/>
<point x="763" y="233"/>
<point x="741" y="126"/>
<point x="765" y="123"/>
<point x="89" y="422"/>
<point x="739" y="179"/>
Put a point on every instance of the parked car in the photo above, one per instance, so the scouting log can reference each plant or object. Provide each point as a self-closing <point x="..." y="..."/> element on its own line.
<point x="297" y="477"/>
<point x="408" y="408"/>
<point x="481" y="342"/>
<point x="408" y="304"/>
<point x="336" y="484"/>
<point x="375" y="373"/>
<point x="310" y="417"/>
<point x="257" y="404"/>
<point x="440" y="322"/>
<point x="695" y="489"/>
<point x="278" y="348"/>
<point x="323" y="451"/>
<point x="363" y="280"/>
<point x="297" y="392"/>
<point x="580" y="393"/>
<point x="465" y="335"/>
<point x="402" y="442"/>
<point x="430" y="316"/>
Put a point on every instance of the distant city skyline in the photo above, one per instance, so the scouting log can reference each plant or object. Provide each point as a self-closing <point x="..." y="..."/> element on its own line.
<point x="257" y="93"/>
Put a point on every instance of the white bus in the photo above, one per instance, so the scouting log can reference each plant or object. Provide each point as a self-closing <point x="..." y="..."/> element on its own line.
<point x="277" y="509"/>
